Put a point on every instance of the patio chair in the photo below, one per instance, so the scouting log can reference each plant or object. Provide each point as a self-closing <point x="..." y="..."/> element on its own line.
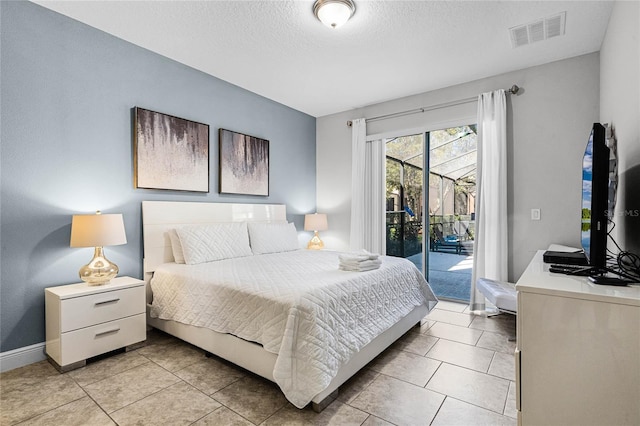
<point x="438" y="238"/>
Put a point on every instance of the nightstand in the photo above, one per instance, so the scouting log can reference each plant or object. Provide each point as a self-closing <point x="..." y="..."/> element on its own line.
<point x="83" y="321"/>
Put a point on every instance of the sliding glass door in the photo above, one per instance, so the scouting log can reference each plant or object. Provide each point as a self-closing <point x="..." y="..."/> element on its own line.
<point x="452" y="192"/>
<point x="431" y="216"/>
<point x="405" y="197"/>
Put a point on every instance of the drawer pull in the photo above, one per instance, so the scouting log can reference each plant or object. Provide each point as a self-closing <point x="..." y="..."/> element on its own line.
<point x="104" y="302"/>
<point x="111" y="330"/>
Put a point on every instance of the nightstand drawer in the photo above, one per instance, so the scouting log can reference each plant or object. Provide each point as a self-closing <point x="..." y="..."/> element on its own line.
<point x="85" y="311"/>
<point x="91" y="341"/>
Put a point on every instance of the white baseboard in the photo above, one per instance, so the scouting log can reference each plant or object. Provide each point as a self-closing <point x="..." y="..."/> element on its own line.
<point x="22" y="356"/>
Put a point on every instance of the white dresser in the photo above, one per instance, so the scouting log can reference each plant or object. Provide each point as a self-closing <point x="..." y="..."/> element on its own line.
<point x="578" y="350"/>
<point x="83" y="321"/>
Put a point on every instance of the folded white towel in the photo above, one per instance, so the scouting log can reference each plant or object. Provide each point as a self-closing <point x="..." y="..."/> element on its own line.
<point x="355" y="264"/>
<point x="349" y="269"/>
<point x="366" y="265"/>
<point x="358" y="256"/>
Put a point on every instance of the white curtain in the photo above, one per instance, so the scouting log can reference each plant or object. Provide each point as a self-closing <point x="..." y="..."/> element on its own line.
<point x="490" y="246"/>
<point x="367" y="191"/>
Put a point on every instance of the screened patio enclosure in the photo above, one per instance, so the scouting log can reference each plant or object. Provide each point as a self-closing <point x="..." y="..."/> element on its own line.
<point x="449" y="214"/>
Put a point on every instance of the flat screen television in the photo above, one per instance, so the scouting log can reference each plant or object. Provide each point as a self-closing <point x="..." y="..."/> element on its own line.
<point x="595" y="204"/>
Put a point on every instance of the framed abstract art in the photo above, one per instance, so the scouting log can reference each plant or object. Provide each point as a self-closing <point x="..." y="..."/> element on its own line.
<point x="244" y="164"/>
<point x="170" y="152"/>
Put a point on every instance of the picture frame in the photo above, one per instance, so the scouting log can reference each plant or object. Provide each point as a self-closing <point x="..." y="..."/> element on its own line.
<point x="243" y="164"/>
<point x="170" y="153"/>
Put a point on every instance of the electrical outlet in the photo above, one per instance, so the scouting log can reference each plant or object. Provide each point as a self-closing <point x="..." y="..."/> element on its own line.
<point x="535" y="214"/>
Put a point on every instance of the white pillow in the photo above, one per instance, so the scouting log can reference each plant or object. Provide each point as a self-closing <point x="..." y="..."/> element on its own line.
<point x="206" y="243"/>
<point x="273" y="237"/>
<point x="176" y="246"/>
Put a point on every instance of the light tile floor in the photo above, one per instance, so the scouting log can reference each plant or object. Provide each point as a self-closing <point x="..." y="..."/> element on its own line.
<point x="456" y="369"/>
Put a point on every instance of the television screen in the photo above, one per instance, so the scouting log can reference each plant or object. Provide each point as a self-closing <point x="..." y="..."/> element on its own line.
<point x="587" y="185"/>
<point x="595" y="188"/>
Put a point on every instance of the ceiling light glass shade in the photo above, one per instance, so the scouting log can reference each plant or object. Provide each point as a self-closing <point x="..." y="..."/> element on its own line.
<point x="98" y="230"/>
<point x="334" y="13"/>
<point x="315" y="222"/>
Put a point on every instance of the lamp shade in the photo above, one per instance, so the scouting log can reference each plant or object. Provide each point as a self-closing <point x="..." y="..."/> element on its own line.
<point x="97" y="230"/>
<point x="334" y="13"/>
<point x="315" y="222"/>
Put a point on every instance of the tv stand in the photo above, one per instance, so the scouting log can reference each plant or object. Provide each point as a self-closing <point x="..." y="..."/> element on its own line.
<point x="577" y="351"/>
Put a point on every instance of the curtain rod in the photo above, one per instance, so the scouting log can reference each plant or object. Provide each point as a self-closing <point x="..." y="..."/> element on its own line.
<point x="513" y="90"/>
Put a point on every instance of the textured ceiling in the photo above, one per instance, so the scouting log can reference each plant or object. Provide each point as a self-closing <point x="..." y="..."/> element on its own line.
<point x="389" y="49"/>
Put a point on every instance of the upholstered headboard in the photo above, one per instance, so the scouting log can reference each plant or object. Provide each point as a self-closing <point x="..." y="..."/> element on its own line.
<point x="160" y="216"/>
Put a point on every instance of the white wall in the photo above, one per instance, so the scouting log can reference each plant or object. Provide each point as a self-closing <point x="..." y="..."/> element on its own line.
<point x="620" y="106"/>
<point x="548" y="127"/>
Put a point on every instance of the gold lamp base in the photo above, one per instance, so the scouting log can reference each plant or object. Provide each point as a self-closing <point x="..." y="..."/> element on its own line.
<point x="100" y="270"/>
<point x="315" y="243"/>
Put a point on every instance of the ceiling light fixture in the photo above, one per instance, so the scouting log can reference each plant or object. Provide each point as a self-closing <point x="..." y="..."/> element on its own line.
<point x="334" y="13"/>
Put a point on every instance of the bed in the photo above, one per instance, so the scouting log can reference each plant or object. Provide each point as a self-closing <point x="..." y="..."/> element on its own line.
<point x="286" y="314"/>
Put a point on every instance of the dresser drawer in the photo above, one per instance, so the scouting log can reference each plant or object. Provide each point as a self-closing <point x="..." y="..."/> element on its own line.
<point x="85" y="311"/>
<point x="95" y="340"/>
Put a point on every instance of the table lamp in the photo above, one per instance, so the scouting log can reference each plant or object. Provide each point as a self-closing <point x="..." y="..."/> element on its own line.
<point x="315" y="222"/>
<point x="98" y="230"/>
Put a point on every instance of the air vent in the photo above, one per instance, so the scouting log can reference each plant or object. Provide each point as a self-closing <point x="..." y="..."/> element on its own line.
<point x="542" y="29"/>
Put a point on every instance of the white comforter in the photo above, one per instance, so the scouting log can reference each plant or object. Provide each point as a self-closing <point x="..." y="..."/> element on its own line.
<point x="298" y="305"/>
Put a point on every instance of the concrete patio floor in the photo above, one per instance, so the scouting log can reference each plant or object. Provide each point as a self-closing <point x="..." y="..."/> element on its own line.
<point x="449" y="274"/>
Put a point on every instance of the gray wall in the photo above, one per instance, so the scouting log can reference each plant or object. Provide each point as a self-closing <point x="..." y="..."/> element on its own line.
<point x="548" y="127"/>
<point x="66" y="96"/>
<point x="620" y="106"/>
